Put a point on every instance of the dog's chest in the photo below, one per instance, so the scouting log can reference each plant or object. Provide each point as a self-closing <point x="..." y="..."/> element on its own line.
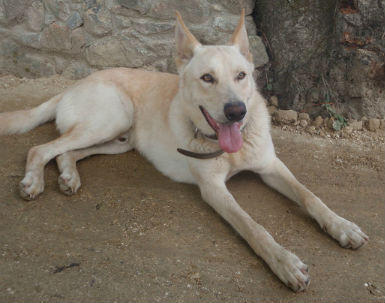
<point x="159" y="148"/>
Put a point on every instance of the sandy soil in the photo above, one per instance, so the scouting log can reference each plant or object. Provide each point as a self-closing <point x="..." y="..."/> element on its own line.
<point x="131" y="234"/>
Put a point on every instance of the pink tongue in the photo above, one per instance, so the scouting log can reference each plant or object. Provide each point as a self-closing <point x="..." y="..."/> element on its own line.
<point x="230" y="138"/>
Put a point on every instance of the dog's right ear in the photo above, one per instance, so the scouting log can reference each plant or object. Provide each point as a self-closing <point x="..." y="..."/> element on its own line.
<point x="185" y="43"/>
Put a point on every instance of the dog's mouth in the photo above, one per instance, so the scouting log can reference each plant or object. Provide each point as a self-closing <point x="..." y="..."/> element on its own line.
<point x="229" y="134"/>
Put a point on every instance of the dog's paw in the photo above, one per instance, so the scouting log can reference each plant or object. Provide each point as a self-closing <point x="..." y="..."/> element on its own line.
<point x="348" y="234"/>
<point x="31" y="186"/>
<point x="69" y="182"/>
<point x="290" y="269"/>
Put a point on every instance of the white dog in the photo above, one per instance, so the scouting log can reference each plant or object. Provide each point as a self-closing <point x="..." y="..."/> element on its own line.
<point x="200" y="127"/>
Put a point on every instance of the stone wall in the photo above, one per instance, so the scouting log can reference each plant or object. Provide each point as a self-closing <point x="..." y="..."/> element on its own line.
<point x="74" y="37"/>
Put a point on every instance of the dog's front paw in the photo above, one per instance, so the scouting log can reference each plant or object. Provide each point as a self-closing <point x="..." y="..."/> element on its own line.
<point x="348" y="234"/>
<point x="290" y="269"/>
<point x="69" y="182"/>
<point x="31" y="186"/>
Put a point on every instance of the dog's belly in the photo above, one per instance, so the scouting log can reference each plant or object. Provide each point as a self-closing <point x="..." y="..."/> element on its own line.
<point x="161" y="152"/>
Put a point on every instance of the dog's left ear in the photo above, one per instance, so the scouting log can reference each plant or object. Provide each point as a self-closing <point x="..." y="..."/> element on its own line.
<point x="240" y="39"/>
<point x="185" y="42"/>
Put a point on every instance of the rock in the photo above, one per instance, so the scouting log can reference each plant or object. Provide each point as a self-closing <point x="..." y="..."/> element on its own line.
<point x="258" y="51"/>
<point x="330" y="122"/>
<point x="141" y="6"/>
<point x="274" y="101"/>
<point x="382" y="124"/>
<point x="13" y="10"/>
<point x="373" y="124"/>
<point x="74" y="21"/>
<point x="347" y="129"/>
<point x="117" y="51"/>
<point x="56" y="37"/>
<point x="147" y="27"/>
<point x="326" y="122"/>
<point x="77" y="70"/>
<point x="304" y="116"/>
<point x="97" y="21"/>
<point x="311" y="130"/>
<point x="303" y="123"/>
<point x="77" y="40"/>
<point x="286" y="116"/>
<point x="271" y="109"/>
<point x="29" y="39"/>
<point x="34" y="16"/>
<point x="60" y="9"/>
<point x="318" y="121"/>
<point x="355" y="125"/>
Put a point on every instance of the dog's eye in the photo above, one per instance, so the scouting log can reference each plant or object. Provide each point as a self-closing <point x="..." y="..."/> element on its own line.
<point x="208" y="78"/>
<point x="241" y="76"/>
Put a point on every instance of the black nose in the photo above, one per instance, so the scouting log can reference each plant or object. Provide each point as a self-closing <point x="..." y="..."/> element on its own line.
<point x="235" y="111"/>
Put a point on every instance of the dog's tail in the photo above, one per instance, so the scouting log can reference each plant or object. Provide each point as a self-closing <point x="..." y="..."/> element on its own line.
<point x="21" y="121"/>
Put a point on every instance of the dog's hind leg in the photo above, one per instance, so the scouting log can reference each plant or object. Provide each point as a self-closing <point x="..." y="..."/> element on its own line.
<point x="69" y="180"/>
<point x="77" y="137"/>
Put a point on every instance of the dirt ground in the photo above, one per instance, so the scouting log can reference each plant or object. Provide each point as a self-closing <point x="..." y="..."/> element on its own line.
<point x="132" y="235"/>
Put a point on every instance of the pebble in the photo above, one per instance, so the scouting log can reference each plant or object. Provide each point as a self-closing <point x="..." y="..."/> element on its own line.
<point x="286" y="116"/>
<point x="382" y="124"/>
<point x="373" y="124"/>
<point x="303" y="123"/>
<point x="356" y="125"/>
<point x="304" y="116"/>
<point x="274" y="101"/>
<point x="271" y="109"/>
<point x="318" y="121"/>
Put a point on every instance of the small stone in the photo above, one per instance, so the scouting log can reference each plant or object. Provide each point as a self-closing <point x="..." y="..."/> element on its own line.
<point x="348" y="129"/>
<point x="56" y="37"/>
<point x="318" y="121"/>
<point x="97" y="21"/>
<point x="326" y="121"/>
<point x="74" y="21"/>
<point x="271" y="109"/>
<point x="303" y="123"/>
<point x="195" y="276"/>
<point x="382" y="124"/>
<point x="330" y="123"/>
<point x="304" y="116"/>
<point x="311" y="129"/>
<point x="355" y="125"/>
<point x="35" y="16"/>
<point x="258" y="51"/>
<point x="373" y="124"/>
<point x="286" y="116"/>
<point x="274" y="101"/>
<point x="77" y="40"/>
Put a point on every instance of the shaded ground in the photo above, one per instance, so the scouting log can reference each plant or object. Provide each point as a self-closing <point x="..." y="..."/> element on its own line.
<point x="131" y="234"/>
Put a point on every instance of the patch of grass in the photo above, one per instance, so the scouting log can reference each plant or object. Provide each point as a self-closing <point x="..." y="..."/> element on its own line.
<point x="339" y="120"/>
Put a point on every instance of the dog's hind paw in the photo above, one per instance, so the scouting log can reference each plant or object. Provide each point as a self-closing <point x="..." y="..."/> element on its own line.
<point x="348" y="234"/>
<point x="31" y="186"/>
<point x="69" y="182"/>
<point x="290" y="269"/>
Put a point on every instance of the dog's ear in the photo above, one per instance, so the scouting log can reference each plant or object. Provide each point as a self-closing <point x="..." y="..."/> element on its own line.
<point x="240" y="38"/>
<point x="185" y="42"/>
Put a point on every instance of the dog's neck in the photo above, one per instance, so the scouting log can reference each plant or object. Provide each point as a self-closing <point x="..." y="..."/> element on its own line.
<point x="197" y="132"/>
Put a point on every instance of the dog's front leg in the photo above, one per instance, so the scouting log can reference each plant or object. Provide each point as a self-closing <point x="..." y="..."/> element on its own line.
<point x="348" y="234"/>
<point x="287" y="266"/>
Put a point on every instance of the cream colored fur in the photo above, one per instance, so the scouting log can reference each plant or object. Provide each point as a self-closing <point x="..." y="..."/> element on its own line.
<point x="113" y="111"/>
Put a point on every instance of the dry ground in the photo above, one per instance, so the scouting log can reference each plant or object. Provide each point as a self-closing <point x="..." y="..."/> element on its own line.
<point x="132" y="235"/>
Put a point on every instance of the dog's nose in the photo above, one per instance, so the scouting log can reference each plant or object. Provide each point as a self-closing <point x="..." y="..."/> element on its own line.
<point x="235" y="111"/>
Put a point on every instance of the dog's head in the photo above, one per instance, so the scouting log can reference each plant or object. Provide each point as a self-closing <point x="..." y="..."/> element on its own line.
<point x="216" y="83"/>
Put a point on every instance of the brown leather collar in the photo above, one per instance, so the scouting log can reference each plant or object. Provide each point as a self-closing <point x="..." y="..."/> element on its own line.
<point x="201" y="155"/>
